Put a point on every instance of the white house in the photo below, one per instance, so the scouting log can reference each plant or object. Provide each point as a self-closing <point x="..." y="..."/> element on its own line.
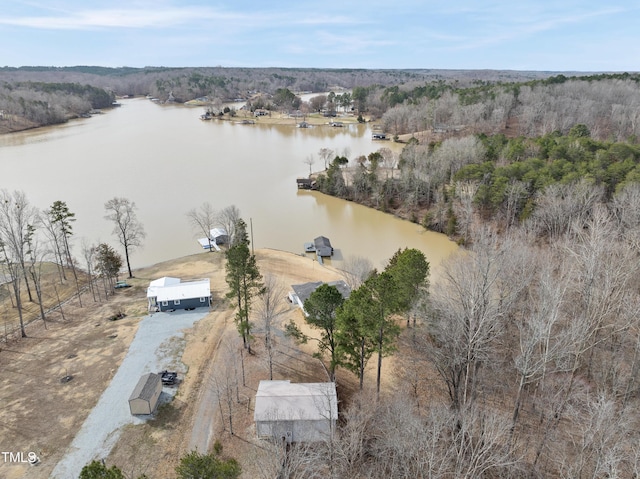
<point x="169" y="293"/>
<point x="298" y="412"/>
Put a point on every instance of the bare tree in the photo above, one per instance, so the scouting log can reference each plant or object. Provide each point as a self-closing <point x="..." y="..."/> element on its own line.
<point x="127" y="227"/>
<point x="597" y="447"/>
<point x="228" y="218"/>
<point x="309" y="160"/>
<point x="356" y="270"/>
<point x="560" y="205"/>
<point x="470" y="305"/>
<point x="16" y="214"/>
<point x="53" y="233"/>
<point x="89" y="254"/>
<point x="16" y="220"/>
<point x="325" y="154"/>
<point x="269" y="307"/>
<point x="35" y="256"/>
<point x="202" y="220"/>
<point x="541" y="342"/>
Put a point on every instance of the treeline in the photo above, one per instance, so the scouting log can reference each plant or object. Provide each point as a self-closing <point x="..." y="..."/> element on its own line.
<point x="609" y="105"/>
<point x="523" y="362"/>
<point x="229" y="83"/>
<point x="449" y="185"/>
<point x="31" y="239"/>
<point x="48" y="103"/>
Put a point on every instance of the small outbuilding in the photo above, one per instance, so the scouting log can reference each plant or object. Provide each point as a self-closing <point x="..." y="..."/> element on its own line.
<point x="299" y="412"/>
<point x="323" y="246"/>
<point x="144" y="398"/>
<point x="219" y="235"/>
<point x="168" y="294"/>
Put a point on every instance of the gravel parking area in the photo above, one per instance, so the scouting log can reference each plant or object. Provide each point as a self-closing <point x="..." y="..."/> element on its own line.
<point x="157" y="345"/>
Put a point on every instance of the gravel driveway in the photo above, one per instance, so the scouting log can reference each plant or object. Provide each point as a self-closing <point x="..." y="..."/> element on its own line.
<point x="157" y="345"/>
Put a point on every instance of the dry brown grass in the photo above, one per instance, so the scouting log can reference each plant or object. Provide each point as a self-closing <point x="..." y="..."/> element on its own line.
<point x="41" y="414"/>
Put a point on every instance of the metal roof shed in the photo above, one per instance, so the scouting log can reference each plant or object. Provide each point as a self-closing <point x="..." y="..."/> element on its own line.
<point x="299" y="412"/>
<point x="144" y="398"/>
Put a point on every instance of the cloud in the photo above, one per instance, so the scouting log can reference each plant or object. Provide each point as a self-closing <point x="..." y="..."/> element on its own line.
<point x="119" y="18"/>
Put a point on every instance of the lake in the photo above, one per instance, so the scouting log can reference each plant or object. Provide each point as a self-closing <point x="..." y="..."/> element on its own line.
<point x="166" y="160"/>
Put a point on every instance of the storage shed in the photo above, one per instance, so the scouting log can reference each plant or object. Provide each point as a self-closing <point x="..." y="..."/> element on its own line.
<point x="144" y="397"/>
<point x="302" y="412"/>
<point x="168" y="294"/>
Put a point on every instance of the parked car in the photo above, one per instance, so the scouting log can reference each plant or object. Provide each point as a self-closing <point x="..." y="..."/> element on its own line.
<point x="122" y="284"/>
<point x="168" y="377"/>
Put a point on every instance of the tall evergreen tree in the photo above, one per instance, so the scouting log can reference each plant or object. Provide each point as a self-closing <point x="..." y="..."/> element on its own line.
<point x="244" y="280"/>
<point x="63" y="219"/>
<point x="321" y="309"/>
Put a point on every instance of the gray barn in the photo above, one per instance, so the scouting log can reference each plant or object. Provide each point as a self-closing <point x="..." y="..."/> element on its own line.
<point x="144" y="398"/>
<point x="302" y="412"/>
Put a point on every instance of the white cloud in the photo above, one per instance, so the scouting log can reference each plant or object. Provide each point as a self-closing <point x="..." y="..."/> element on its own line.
<point x="119" y="18"/>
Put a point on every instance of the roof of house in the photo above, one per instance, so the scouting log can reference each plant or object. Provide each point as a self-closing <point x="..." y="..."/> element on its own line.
<point x="200" y="288"/>
<point x="146" y="387"/>
<point x="303" y="291"/>
<point x="322" y="241"/>
<point x="164" y="281"/>
<point x="282" y="400"/>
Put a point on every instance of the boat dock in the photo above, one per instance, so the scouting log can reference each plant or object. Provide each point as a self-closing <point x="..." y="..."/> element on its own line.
<point x="321" y="246"/>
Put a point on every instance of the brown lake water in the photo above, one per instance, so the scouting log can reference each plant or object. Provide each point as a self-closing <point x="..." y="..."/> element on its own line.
<point x="168" y="161"/>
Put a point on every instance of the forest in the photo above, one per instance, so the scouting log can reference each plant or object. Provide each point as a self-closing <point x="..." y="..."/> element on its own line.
<point x="26" y="101"/>
<point x="523" y="358"/>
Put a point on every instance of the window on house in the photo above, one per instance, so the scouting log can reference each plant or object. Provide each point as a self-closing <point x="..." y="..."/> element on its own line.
<point x="176" y="301"/>
<point x="202" y="300"/>
<point x="165" y="303"/>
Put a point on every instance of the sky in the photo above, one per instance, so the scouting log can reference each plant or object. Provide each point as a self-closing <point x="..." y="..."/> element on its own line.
<point x="539" y="35"/>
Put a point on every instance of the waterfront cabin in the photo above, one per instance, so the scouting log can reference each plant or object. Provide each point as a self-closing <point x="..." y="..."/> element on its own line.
<point x="301" y="292"/>
<point x="169" y="294"/>
<point x="298" y="412"/>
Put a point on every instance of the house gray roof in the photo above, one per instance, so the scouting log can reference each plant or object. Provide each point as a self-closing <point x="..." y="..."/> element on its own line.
<point x="146" y="387"/>
<point x="303" y="291"/>
<point x="281" y="400"/>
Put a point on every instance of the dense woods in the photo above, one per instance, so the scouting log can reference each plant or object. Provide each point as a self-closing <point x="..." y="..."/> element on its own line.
<point x="31" y="104"/>
<point x="523" y="358"/>
<point x="36" y="96"/>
